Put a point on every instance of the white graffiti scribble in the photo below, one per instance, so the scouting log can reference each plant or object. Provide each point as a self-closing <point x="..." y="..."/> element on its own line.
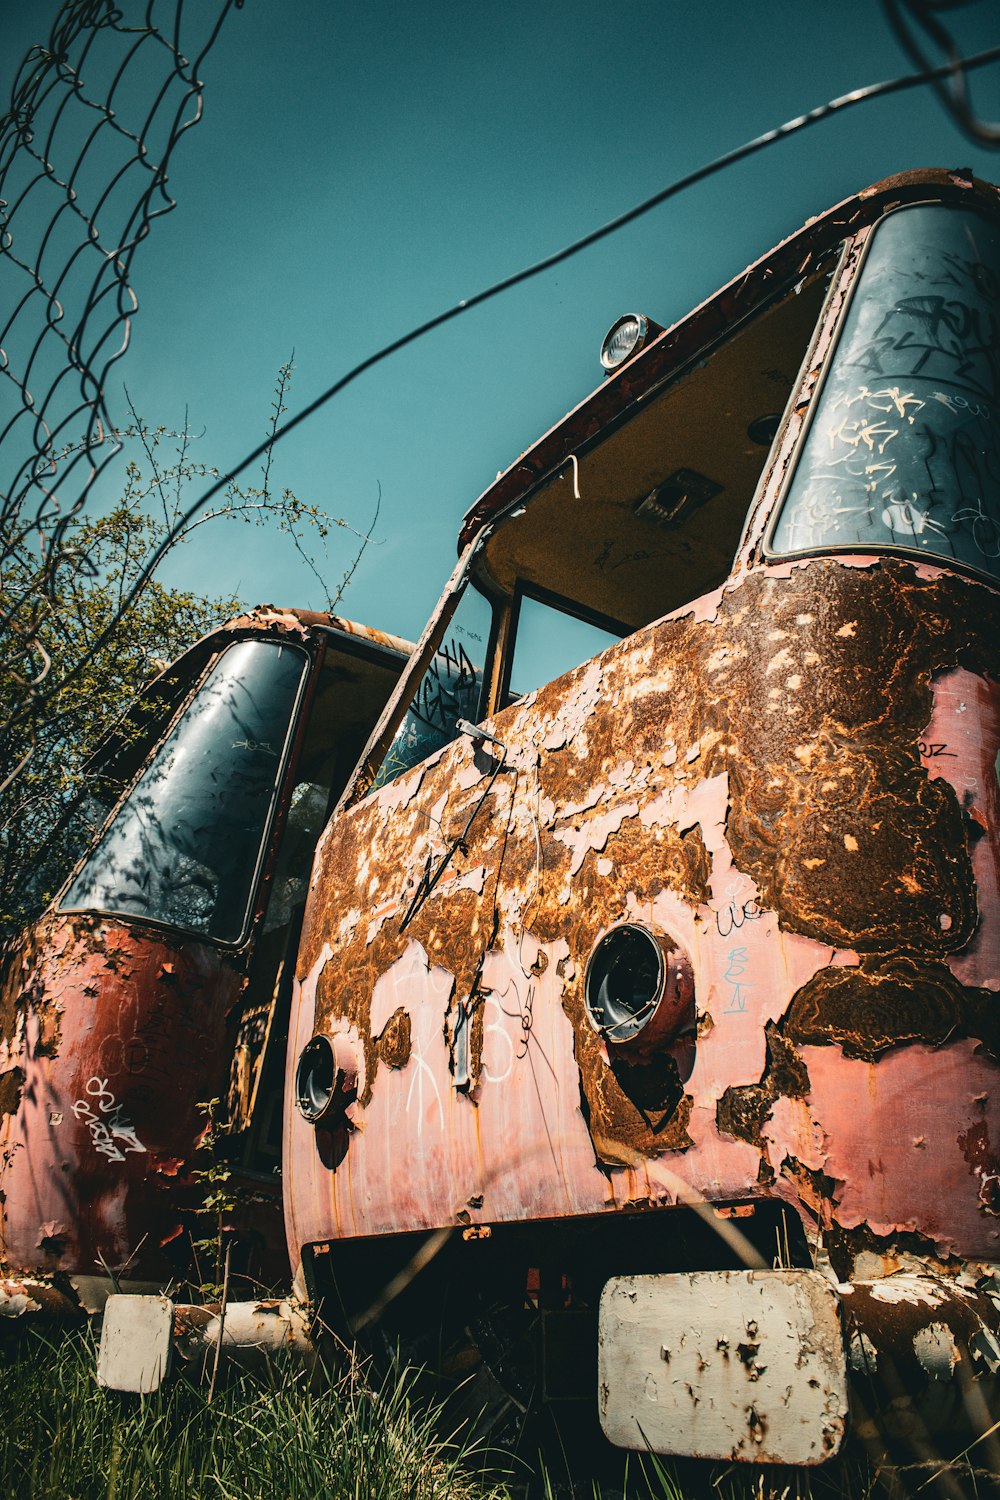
<point x="496" y="1028"/>
<point x="103" y="1117"/>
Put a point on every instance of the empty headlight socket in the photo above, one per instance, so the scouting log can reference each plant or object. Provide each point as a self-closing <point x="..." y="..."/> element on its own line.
<point x="326" y="1080"/>
<point x="639" y="991"/>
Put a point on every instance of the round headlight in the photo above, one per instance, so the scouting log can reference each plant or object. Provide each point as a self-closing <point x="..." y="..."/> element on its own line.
<point x="326" y="1080"/>
<point x="639" y="981"/>
<point x="625" y="338"/>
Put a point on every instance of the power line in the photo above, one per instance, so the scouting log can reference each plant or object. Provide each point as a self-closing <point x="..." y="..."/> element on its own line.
<point x="558" y="257"/>
<point x="952" y="91"/>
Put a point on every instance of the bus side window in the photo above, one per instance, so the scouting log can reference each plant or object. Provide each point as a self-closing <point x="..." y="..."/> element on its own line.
<point x="450" y="689"/>
<point x="550" y="638"/>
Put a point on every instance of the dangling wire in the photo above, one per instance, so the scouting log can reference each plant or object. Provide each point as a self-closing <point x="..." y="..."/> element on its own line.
<point x="909" y="17"/>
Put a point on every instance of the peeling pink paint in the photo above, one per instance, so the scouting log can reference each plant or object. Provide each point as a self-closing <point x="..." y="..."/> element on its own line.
<point x="961" y="745"/>
<point x="874" y="1116"/>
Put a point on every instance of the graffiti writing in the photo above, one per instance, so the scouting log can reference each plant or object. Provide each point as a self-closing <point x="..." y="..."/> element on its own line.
<point x="960" y="404"/>
<point x="527" y="1019"/>
<point x="424" y="1096"/>
<point x="929" y="750"/>
<point x="524" y="1015"/>
<point x="605" y="561"/>
<point x="941" y="337"/>
<point x="904" y="449"/>
<point x="737" y="964"/>
<point x="919" y="481"/>
<point x="447" y="690"/>
<point x="496" y="1028"/>
<point x="959" y="270"/>
<point x="735" y="914"/>
<point x="104" y="1118"/>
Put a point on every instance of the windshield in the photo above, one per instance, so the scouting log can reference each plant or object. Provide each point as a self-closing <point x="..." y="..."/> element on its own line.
<point x="184" y="845"/>
<point x="904" y="447"/>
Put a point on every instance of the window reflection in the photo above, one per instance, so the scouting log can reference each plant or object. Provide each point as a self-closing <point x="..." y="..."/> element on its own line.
<point x="450" y="689"/>
<point x="184" y="845"/>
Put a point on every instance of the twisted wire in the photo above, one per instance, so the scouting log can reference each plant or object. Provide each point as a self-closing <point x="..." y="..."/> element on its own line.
<point x="85" y="148"/>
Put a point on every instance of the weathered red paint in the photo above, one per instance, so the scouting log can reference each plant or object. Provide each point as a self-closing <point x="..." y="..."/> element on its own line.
<point x="759" y="777"/>
<point x="114" y="1034"/>
<point x="660" y="812"/>
<point x="99" y="1148"/>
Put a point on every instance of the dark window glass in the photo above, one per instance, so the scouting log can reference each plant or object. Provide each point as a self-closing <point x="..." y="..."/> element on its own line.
<point x="904" y="447"/>
<point x="450" y="689"/>
<point x="183" y="847"/>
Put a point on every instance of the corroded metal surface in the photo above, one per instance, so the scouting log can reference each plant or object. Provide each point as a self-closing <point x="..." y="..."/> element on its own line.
<point x="924" y="1354"/>
<point x="50" y="1301"/>
<point x="111" y="1037"/>
<point x="792" y="779"/>
<point x="115" y="1031"/>
<point x="269" y="619"/>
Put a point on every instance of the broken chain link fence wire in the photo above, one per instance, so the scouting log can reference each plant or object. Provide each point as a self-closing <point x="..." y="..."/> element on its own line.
<point x="863" y="95"/>
<point x="85" y="147"/>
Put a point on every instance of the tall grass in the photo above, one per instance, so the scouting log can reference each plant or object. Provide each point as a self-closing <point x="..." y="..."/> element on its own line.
<point x="274" y="1437"/>
<point x="278" y="1436"/>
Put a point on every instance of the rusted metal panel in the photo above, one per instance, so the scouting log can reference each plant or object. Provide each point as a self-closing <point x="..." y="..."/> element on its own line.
<point x="759" y="776"/>
<point x="924" y="1356"/>
<point x="724" y="1364"/>
<point x="46" y="1301"/>
<point x="111" y="1038"/>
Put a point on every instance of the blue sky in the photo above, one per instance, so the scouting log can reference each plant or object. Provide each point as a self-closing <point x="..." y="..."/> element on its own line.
<point x="359" y="168"/>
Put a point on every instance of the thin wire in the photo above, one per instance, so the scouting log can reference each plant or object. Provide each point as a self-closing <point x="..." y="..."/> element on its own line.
<point x="72" y="270"/>
<point x="507" y="283"/>
<point x="953" y="92"/>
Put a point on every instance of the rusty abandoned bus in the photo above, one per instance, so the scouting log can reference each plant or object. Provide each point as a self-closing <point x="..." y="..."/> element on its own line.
<point x="160" y="979"/>
<point x="657" y="991"/>
<point x="701" y="907"/>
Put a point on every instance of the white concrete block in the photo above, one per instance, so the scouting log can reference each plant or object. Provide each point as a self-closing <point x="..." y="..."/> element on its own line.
<point x="135" y="1343"/>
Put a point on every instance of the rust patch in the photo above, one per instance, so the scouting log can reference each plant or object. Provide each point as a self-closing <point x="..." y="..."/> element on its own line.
<point x="15" y="963"/>
<point x="879" y="1005"/>
<point x="860" y="1254"/>
<point x="11" y="1084"/>
<point x="393" y="1042"/>
<point x="816" y="773"/>
<point x="984" y="1164"/>
<point x="673" y="1136"/>
<point x="741" y="1112"/>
